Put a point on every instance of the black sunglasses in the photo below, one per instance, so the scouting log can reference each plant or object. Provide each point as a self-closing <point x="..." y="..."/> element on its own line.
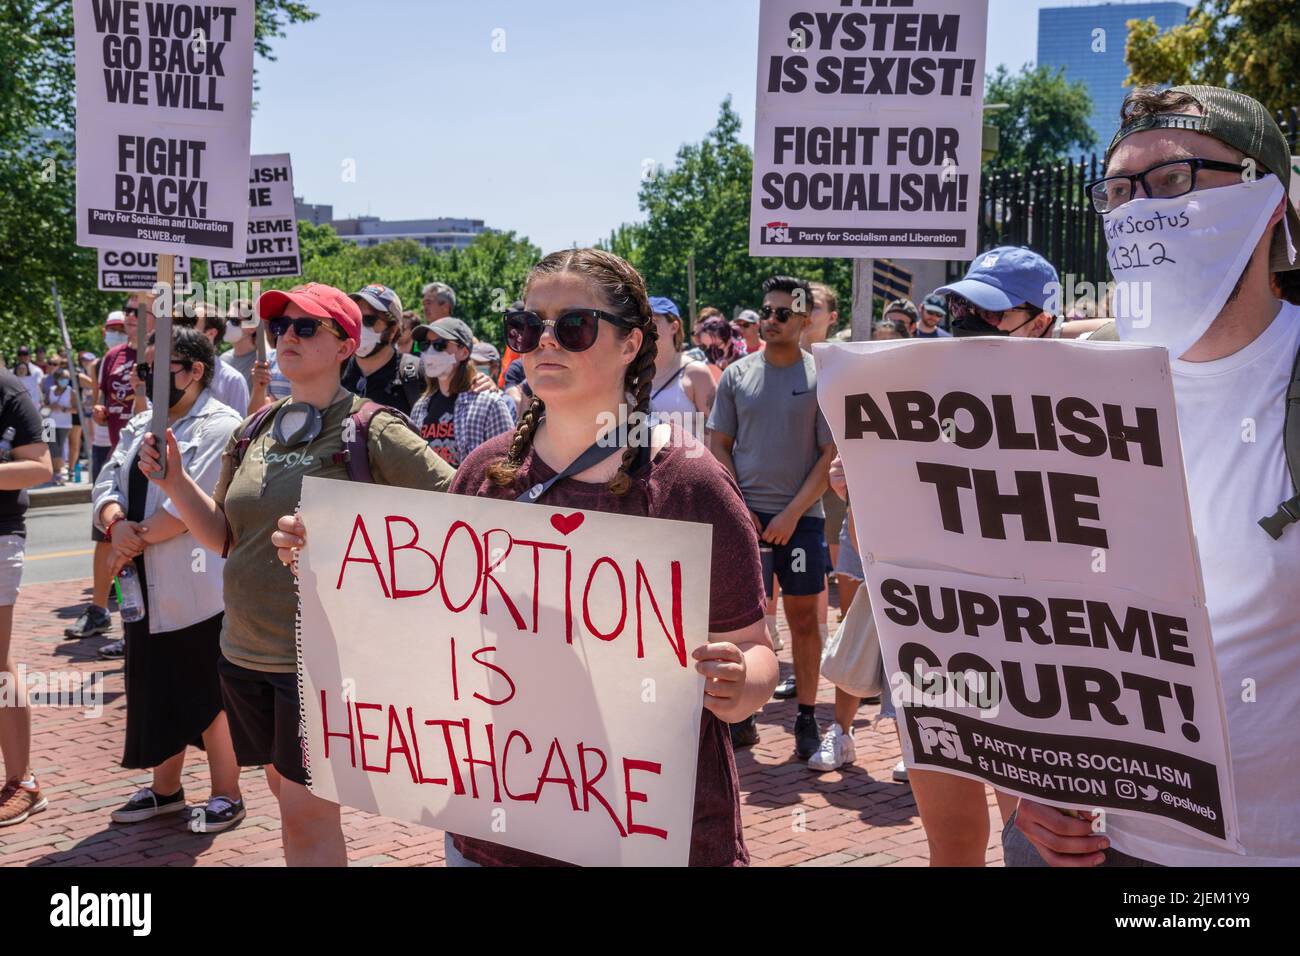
<point x="438" y="345"/>
<point x="781" y="315"/>
<point x="1162" y="181"/>
<point x="302" y="328"/>
<point x="369" y="320"/>
<point x="145" y="369"/>
<point x="575" y="330"/>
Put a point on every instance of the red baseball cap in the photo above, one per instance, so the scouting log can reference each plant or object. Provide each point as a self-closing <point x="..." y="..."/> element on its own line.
<point x="318" y="300"/>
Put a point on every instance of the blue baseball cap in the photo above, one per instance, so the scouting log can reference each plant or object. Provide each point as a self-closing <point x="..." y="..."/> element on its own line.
<point x="662" y="305"/>
<point x="1007" y="277"/>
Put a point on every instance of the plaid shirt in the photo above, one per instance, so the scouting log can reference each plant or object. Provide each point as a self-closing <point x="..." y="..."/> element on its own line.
<point x="478" y="416"/>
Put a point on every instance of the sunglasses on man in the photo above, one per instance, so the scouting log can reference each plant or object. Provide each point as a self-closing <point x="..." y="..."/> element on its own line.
<point x="575" y="330"/>
<point x="782" y="314"/>
<point x="302" y="328"/>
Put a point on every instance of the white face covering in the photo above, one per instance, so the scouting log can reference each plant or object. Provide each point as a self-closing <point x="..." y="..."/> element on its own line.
<point x="114" y="339"/>
<point x="437" y="364"/>
<point x="370" y="340"/>
<point x="233" y="334"/>
<point x="1177" y="260"/>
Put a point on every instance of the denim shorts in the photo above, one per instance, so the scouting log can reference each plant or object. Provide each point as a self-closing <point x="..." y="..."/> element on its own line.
<point x="1018" y="851"/>
<point x="12" y="547"/>
<point x="850" y="562"/>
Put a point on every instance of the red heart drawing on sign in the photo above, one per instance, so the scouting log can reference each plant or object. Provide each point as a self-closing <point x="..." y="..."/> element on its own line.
<point x="567" y="524"/>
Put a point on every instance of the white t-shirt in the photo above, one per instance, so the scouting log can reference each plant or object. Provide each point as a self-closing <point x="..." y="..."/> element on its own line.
<point x="1230" y="419"/>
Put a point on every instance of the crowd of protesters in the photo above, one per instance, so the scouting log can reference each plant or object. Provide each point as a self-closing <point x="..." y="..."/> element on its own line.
<point x="733" y="405"/>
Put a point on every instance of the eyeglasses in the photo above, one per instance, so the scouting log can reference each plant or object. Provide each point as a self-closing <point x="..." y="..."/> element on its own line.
<point x="302" y="328"/>
<point x="959" y="308"/>
<point x="438" y="345"/>
<point x="575" y="330"/>
<point x="1161" y="181"/>
<point x="781" y="315"/>
<point x="369" y="320"/>
<point x="144" y="370"/>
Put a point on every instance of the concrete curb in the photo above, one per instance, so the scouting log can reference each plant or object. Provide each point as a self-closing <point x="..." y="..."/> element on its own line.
<point x="66" y="495"/>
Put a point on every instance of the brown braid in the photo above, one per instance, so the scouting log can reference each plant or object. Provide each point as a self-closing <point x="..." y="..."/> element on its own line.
<point x="625" y="293"/>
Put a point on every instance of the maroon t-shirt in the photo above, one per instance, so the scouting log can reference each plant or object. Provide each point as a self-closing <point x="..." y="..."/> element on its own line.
<point x="116" y="387"/>
<point x="684" y="483"/>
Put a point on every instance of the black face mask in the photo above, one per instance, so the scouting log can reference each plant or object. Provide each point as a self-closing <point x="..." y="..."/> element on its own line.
<point x="176" y="394"/>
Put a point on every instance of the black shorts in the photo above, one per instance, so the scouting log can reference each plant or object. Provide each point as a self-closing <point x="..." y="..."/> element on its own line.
<point x="99" y="456"/>
<point x="800" y="563"/>
<point x="262" y="709"/>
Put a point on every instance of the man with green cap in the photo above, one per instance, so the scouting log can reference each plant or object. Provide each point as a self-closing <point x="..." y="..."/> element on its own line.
<point x="1197" y="220"/>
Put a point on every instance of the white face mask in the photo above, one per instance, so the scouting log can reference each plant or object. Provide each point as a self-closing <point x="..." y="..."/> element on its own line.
<point x="1177" y="260"/>
<point x="114" y="339"/>
<point x="370" y="340"/>
<point x="233" y="334"/>
<point x="437" y="364"/>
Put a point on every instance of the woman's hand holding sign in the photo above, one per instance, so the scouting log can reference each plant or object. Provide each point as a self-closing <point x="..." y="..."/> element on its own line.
<point x="150" y="459"/>
<point x="291" y="536"/>
<point x="724" y="669"/>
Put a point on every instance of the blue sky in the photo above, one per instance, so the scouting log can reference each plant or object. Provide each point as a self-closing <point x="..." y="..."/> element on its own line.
<point x="547" y="138"/>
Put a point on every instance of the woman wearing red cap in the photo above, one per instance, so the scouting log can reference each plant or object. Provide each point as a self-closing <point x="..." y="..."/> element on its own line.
<point x="316" y="329"/>
<point x="588" y="341"/>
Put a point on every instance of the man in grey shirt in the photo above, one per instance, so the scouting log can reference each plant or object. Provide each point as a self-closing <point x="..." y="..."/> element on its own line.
<point x="767" y="430"/>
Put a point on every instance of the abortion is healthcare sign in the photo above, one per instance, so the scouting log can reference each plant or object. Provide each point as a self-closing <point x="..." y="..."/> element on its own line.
<point x="869" y="129"/>
<point x="164" y="101"/>
<point x="1022" y="513"/>
<point x="507" y="671"/>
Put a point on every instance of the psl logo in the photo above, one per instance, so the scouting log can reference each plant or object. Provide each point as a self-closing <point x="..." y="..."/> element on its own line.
<point x="937" y="733"/>
<point x="778" y="232"/>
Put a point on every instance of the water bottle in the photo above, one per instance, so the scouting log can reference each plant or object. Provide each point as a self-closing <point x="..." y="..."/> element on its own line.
<point x="130" y="600"/>
<point x="7" y="443"/>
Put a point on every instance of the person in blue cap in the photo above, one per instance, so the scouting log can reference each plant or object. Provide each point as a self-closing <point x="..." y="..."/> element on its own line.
<point x="1005" y="292"/>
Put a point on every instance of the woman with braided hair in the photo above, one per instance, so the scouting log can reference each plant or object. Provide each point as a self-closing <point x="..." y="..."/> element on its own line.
<point x="588" y="343"/>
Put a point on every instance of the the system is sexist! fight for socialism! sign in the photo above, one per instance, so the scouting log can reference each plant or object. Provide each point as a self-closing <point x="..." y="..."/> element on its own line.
<point x="869" y="128"/>
<point x="1022" y="514"/>
<point x="164" y="99"/>
<point x="512" y="672"/>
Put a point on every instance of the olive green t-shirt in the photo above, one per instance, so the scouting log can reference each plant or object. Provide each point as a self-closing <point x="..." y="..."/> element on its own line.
<point x="260" y="593"/>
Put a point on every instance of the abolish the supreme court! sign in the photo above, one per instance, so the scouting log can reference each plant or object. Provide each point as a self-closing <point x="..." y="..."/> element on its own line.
<point x="1021" y="510"/>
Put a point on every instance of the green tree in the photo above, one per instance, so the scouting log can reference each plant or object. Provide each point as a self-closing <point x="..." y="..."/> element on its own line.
<point x="1251" y="46"/>
<point x="700" y="207"/>
<point x="488" y="275"/>
<point x="1046" y="120"/>
<point x="37" y="172"/>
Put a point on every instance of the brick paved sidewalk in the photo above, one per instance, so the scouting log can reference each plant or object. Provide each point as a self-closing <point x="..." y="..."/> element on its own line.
<point x="853" y="817"/>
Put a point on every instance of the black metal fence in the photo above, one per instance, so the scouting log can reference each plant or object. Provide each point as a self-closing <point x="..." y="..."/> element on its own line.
<point x="1047" y="210"/>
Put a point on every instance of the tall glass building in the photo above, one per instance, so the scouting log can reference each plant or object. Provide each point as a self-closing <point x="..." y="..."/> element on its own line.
<point x="1088" y="41"/>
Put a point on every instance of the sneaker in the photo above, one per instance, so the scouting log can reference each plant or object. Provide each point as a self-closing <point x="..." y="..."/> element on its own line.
<point x="900" y="772"/>
<point x="745" y="733"/>
<point x="837" y="748"/>
<point x="113" y="651"/>
<point x="93" y="622"/>
<point x="146" y="805"/>
<point x="785" y="690"/>
<point x="778" y="642"/>
<point x="20" y="800"/>
<point x="221" y="813"/>
<point x="807" y="736"/>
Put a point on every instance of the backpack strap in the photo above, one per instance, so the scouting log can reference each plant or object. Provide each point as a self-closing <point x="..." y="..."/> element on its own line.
<point x="410" y="378"/>
<point x="356" y="444"/>
<point x="1288" y="512"/>
<point x="251" y="427"/>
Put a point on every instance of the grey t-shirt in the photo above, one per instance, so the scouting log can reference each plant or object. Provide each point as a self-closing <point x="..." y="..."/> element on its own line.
<point x="778" y="429"/>
<point x="243" y="364"/>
